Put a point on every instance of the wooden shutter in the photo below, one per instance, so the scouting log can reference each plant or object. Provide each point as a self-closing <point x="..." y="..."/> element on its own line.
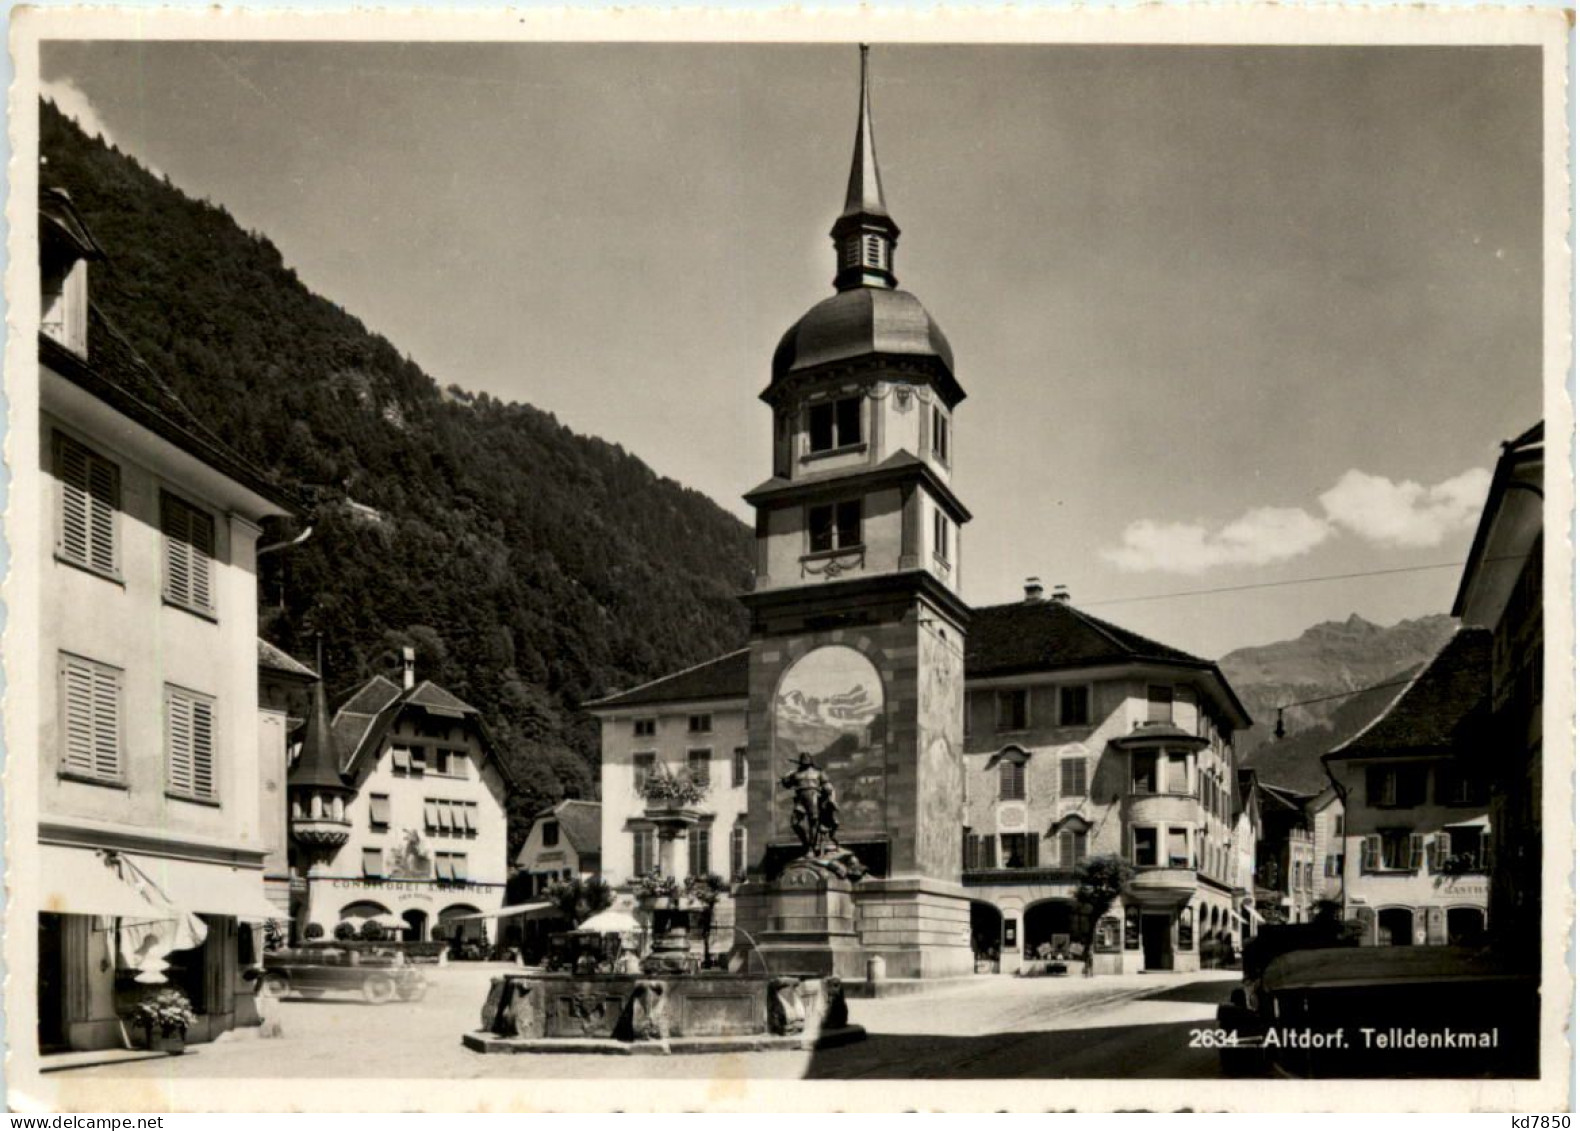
<point x="1032" y="842"/>
<point x="990" y="851"/>
<point x="90" y="488"/>
<point x="1371" y="853"/>
<point x="1417" y="851"/>
<point x="189" y="743"/>
<point x="968" y="856"/>
<point x="90" y="696"/>
<point x="189" y="553"/>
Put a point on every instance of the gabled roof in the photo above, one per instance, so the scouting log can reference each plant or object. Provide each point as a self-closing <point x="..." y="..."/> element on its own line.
<point x="365" y="718"/>
<point x="1438" y="711"/>
<point x="275" y="659"/>
<point x="721" y="678"/>
<point x="581" y="825"/>
<point x="1004" y="640"/>
<point x="115" y="374"/>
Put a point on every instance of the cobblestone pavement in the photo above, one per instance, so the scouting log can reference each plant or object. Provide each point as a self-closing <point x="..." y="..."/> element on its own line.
<point x="988" y="1027"/>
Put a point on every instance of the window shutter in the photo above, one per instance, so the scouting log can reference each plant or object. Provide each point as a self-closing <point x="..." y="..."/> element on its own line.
<point x="75" y="506"/>
<point x="189" y="553"/>
<point x="430" y="814"/>
<point x="967" y="851"/>
<point x="1371" y="852"/>
<point x="469" y="815"/>
<point x="1417" y="851"/>
<point x="90" y="697"/>
<point x="179" y="743"/>
<point x="1484" y="851"/>
<point x="1442" y="849"/>
<point x="446" y="816"/>
<point x="458" y="867"/>
<point x="372" y="862"/>
<point x="990" y="851"/>
<point x="1032" y="842"/>
<point x="203" y="748"/>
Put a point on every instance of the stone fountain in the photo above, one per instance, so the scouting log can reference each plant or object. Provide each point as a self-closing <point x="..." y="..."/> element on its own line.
<point x="797" y="1000"/>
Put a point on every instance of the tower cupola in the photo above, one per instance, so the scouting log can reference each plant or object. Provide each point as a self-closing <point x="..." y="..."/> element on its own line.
<point x="865" y="234"/>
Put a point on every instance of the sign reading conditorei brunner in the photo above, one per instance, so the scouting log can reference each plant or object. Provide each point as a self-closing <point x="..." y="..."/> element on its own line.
<point x="830" y="705"/>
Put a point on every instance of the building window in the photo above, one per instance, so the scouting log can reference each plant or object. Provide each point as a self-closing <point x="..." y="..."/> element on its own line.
<point x="1012" y="780"/>
<point x="644" y="728"/>
<point x="641" y="852"/>
<point x="189" y="744"/>
<point x="981" y="851"/>
<point x="1459" y="786"/>
<point x="738" y="768"/>
<point x="700" y="851"/>
<point x="90" y="720"/>
<point x="1072" y="777"/>
<point x="1143" y="772"/>
<point x="642" y="768"/>
<point x="1338" y="824"/>
<point x="1333" y="867"/>
<point x="835" y="424"/>
<point x="1020" y="850"/>
<point x="1160" y="704"/>
<point x="1145" y="843"/>
<point x="940" y="436"/>
<point x="1179" y="848"/>
<point x="90" y="496"/>
<point x="738" y="852"/>
<point x="700" y="724"/>
<point x="834" y="526"/>
<point x="1014" y="709"/>
<point x="450" y="867"/>
<point x="1395" y="787"/>
<point x="1462" y="848"/>
<point x="1392" y="850"/>
<point x="1075" y="706"/>
<point x="373" y="863"/>
<point x="941" y="534"/>
<point x="189" y="554"/>
<point x="1178" y="765"/>
<point x="450" y="763"/>
<point x="698" y="763"/>
<point x="551" y="834"/>
<point x="379" y="810"/>
<point x="1072" y="847"/>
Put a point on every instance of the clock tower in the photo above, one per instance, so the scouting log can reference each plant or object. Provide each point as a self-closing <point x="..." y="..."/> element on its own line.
<point x="857" y="624"/>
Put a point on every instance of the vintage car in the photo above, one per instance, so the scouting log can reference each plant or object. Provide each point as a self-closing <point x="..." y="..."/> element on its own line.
<point x="1415" y="1011"/>
<point x="379" y="975"/>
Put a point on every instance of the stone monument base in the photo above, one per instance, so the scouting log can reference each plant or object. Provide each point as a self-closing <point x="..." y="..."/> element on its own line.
<point x="920" y="927"/>
<point x="802" y="923"/>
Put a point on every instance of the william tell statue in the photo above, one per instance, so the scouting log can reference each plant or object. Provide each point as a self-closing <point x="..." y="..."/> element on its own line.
<point x="814" y="818"/>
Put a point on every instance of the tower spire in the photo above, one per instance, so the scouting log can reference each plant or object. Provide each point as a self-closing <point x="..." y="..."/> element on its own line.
<point x="864" y="235"/>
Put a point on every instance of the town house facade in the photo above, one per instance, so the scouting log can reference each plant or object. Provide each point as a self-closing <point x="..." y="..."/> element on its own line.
<point x="151" y="822"/>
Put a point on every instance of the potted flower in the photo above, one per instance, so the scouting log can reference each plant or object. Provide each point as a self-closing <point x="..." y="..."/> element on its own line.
<point x="164" y="1015"/>
<point x="665" y="790"/>
<point x="656" y="890"/>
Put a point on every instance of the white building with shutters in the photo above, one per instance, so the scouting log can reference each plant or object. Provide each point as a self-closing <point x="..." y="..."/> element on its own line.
<point x="397" y="811"/>
<point x="1415" y="789"/>
<point x="135" y="589"/>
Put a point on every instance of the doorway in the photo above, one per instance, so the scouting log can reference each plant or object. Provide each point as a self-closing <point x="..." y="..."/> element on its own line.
<point x="1395" y="927"/>
<point x="1157" y="950"/>
<point x="416" y="925"/>
<point x="51" y="984"/>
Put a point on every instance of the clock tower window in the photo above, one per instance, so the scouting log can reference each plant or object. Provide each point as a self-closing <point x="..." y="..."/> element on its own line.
<point x="834" y="526"/>
<point x="835" y="424"/>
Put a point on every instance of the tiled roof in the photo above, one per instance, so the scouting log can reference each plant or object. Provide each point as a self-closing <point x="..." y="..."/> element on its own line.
<point x="1003" y="640"/>
<point x="1440" y="709"/>
<point x="721" y="678"/>
<point x="431" y="696"/>
<point x="115" y="374"/>
<point x="1043" y="635"/>
<point x="581" y="825"/>
<point x="278" y="660"/>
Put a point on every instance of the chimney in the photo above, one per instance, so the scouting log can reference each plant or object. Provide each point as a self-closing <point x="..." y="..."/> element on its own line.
<point x="1033" y="590"/>
<point x="1061" y="595"/>
<point x="408" y="658"/>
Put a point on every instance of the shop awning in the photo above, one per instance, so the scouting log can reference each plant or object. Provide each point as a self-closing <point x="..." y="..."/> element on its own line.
<point x="87" y="881"/>
<point x="526" y="910"/>
<point x="84" y="881"/>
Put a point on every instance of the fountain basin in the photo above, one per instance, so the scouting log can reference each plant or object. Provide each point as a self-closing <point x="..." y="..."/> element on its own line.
<point x="633" y="1014"/>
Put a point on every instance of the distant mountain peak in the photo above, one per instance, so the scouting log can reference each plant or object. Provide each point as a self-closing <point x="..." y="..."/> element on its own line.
<point x="1333" y="658"/>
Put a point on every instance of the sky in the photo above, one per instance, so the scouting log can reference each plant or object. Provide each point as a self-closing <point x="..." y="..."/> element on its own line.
<point x="1225" y="316"/>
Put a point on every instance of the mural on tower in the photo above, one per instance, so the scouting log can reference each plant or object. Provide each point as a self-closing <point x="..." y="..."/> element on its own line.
<point x="941" y="725"/>
<point x="830" y="705"/>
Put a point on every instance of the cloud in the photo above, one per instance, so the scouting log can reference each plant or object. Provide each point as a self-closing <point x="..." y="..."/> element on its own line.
<point x="1406" y="513"/>
<point x="70" y="100"/>
<point x="1372" y="507"/>
<point x="1261" y="536"/>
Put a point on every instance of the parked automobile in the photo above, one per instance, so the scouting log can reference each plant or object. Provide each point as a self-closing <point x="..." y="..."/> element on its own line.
<point x="1414" y="1011"/>
<point x="380" y="975"/>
